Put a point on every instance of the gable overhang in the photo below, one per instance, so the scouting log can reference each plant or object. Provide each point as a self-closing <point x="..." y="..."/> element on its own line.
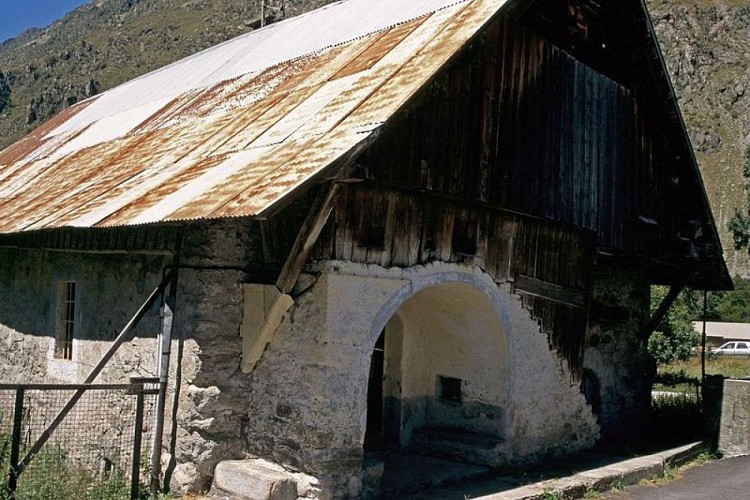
<point x="713" y="274"/>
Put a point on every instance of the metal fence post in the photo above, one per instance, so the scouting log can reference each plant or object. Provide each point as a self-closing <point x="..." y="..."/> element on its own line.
<point x="165" y="347"/>
<point x="15" y="446"/>
<point x="135" y="477"/>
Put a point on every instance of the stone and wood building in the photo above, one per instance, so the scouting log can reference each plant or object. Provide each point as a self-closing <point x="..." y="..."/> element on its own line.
<point x="427" y="225"/>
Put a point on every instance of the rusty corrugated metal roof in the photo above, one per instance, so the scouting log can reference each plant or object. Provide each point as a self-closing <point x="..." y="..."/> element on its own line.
<point x="234" y="129"/>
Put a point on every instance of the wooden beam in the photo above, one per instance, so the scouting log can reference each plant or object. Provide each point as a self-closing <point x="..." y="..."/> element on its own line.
<point x="551" y="291"/>
<point x="307" y="236"/>
<point x="674" y="291"/>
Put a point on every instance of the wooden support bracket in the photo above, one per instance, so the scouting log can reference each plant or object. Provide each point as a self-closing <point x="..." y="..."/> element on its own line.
<point x="307" y="236"/>
<point x="674" y="291"/>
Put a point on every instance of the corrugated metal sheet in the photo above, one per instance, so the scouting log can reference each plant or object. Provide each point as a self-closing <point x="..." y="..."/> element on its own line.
<point x="234" y="129"/>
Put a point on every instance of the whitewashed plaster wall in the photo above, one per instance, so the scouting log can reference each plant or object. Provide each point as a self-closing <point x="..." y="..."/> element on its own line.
<point x="308" y="393"/>
<point x="449" y="330"/>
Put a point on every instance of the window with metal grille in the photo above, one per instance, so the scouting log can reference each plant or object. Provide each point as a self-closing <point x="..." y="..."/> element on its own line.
<point x="65" y="319"/>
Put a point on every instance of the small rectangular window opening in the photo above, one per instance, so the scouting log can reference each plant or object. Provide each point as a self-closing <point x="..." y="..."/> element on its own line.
<point x="449" y="389"/>
<point x="65" y="319"/>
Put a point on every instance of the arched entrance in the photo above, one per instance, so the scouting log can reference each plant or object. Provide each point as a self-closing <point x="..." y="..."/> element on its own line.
<point x="440" y="365"/>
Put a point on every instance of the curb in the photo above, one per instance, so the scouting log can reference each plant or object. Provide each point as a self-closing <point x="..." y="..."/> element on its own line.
<point x="620" y="474"/>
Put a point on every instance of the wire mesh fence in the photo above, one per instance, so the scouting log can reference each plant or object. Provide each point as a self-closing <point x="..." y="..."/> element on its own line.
<point x="100" y="449"/>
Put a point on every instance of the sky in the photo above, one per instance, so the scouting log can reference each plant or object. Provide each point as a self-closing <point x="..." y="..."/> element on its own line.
<point x="18" y="15"/>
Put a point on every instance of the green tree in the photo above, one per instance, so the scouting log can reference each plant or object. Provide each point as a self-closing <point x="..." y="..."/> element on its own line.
<point x="732" y="306"/>
<point x="5" y="102"/>
<point x="739" y="226"/>
<point x="674" y="337"/>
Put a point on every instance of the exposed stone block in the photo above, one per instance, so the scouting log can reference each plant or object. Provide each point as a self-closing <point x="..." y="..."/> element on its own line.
<point x="252" y="480"/>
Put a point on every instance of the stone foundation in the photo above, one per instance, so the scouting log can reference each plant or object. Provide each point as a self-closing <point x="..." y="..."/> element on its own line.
<point x="618" y="370"/>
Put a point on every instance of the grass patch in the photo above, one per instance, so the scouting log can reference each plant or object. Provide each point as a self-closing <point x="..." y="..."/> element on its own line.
<point x="672" y="472"/>
<point x="50" y="475"/>
<point x="729" y="367"/>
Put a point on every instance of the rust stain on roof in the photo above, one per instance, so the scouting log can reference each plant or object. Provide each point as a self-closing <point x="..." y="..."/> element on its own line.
<point x="379" y="47"/>
<point x="239" y="144"/>
<point x="19" y="150"/>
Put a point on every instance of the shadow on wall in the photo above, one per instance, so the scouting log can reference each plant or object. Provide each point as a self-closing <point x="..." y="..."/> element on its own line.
<point x="108" y="291"/>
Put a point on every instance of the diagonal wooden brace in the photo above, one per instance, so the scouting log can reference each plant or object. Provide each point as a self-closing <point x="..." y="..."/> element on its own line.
<point x="659" y="314"/>
<point x="307" y="236"/>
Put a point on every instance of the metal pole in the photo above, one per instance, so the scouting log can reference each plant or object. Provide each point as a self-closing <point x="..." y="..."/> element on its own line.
<point x="262" y="13"/>
<point x="165" y="351"/>
<point x="703" y="343"/>
<point x="15" y="446"/>
<point x="135" y="477"/>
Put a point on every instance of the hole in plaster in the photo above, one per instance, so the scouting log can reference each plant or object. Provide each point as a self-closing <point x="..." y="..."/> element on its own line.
<point x="449" y="389"/>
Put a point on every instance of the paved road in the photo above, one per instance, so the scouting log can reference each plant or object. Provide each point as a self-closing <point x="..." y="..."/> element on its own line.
<point x="718" y="480"/>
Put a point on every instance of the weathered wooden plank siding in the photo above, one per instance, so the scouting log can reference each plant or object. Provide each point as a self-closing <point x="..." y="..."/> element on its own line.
<point x="388" y="226"/>
<point x="148" y="239"/>
<point x="522" y="160"/>
<point x="518" y="123"/>
<point x="411" y="228"/>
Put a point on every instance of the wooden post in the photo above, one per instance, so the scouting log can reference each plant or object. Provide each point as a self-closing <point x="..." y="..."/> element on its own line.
<point x="15" y="445"/>
<point x="307" y="236"/>
<point x="135" y="472"/>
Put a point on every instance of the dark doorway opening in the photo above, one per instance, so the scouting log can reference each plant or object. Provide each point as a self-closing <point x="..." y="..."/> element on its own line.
<point x="383" y="410"/>
<point x="377" y="437"/>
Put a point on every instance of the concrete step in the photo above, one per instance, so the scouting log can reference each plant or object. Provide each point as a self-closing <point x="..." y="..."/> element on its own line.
<point x="406" y="473"/>
<point x="473" y="447"/>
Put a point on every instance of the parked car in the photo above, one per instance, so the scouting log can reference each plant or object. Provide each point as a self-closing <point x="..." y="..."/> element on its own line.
<point x="732" y="349"/>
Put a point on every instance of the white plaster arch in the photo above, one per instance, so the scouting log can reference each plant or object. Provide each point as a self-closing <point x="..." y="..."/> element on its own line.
<point x="310" y="387"/>
<point x="419" y="278"/>
<point x="456" y="317"/>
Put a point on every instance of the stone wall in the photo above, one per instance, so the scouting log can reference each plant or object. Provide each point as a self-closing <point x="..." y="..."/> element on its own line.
<point x="217" y="258"/>
<point x="211" y="412"/>
<point x="618" y="370"/>
<point x="734" y="422"/>
<point x="109" y="289"/>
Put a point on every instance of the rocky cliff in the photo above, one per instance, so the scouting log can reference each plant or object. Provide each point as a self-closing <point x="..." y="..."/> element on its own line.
<point x="706" y="45"/>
